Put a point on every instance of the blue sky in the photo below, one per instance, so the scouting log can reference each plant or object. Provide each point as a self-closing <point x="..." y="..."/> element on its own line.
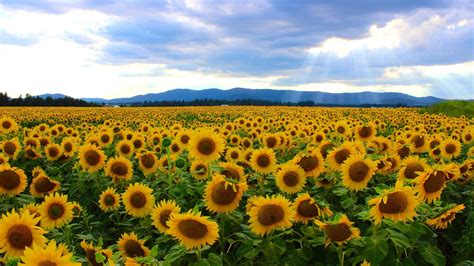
<point x="109" y="49"/>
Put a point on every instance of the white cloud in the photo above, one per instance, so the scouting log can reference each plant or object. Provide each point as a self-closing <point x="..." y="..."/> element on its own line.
<point x="433" y="71"/>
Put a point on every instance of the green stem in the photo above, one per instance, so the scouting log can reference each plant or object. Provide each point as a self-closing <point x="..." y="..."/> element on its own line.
<point x="222" y="232"/>
<point x="340" y="255"/>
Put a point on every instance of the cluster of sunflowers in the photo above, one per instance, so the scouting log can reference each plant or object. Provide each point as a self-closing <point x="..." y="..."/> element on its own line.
<point x="222" y="185"/>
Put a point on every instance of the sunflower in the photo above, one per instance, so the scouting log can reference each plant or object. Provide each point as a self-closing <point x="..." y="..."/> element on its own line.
<point x="119" y="168"/>
<point x="148" y="162"/>
<point x="7" y="125"/>
<point x="357" y="172"/>
<point x="222" y="196"/>
<point x="91" y="252"/>
<point x="340" y="231"/>
<point x="42" y="185"/>
<point x="192" y="230"/>
<point x="206" y="145"/>
<point x="290" y="178"/>
<point x="199" y="170"/>
<point x="19" y="231"/>
<point x="76" y="209"/>
<point x="53" y="151"/>
<point x="161" y="214"/>
<point x="307" y="209"/>
<point x="12" y="180"/>
<point x="138" y="200"/>
<point x="105" y="138"/>
<point x="175" y="149"/>
<point x="411" y="167"/>
<point x="366" y="132"/>
<point x="397" y="204"/>
<point x="233" y="154"/>
<point x="91" y="158"/>
<point x="131" y="246"/>
<point x="55" y="211"/>
<point x="443" y="220"/>
<point x="312" y="163"/>
<point x="124" y="148"/>
<point x="32" y="208"/>
<point x="183" y="138"/>
<point x="419" y="142"/>
<point x="3" y="159"/>
<point x="430" y="185"/>
<point x="263" y="161"/>
<point x="32" y="153"/>
<point x="109" y="200"/>
<point x="68" y="146"/>
<point x="450" y="148"/>
<point x="233" y="171"/>
<point x="269" y="213"/>
<point x="11" y="148"/>
<point x="337" y="156"/>
<point x="51" y="254"/>
<point x="342" y="128"/>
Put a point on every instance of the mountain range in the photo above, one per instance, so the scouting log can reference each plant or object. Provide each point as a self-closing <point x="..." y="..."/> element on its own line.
<point x="292" y="96"/>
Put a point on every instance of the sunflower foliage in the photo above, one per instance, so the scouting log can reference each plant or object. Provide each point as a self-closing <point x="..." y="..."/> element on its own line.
<point x="235" y="186"/>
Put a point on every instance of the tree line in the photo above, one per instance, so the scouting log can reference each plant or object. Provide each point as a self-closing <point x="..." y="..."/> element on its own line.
<point x="29" y="100"/>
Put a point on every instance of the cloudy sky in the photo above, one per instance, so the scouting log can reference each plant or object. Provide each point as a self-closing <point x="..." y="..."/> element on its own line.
<point x="109" y="49"/>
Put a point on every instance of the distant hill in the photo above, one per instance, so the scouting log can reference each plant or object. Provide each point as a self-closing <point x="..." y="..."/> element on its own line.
<point x="357" y="98"/>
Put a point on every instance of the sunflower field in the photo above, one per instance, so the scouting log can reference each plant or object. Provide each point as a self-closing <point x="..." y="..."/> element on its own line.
<point x="235" y="186"/>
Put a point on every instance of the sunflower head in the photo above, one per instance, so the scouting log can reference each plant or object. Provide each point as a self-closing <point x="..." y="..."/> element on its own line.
<point x="206" y="145"/>
<point x="340" y="231"/>
<point x="430" y="185"/>
<point x="91" y="158"/>
<point x="290" y="178"/>
<point x="42" y="185"/>
<point x="263" y="160"/>
<point x="222" y="196"/>
<point x="357" y="172"/>
<point x="138" y="200"/>
<point x="109" y="200"/>
<point x="162" y="212"/>
<point x="119" y="168"/>
<point x="307" y="209"/>
<point x="12" y="180"/>
<point x="397" y="204"/>
<point x="131" y="246"/>
<point x="443" y="220"/>
<point x="270" y="213"/>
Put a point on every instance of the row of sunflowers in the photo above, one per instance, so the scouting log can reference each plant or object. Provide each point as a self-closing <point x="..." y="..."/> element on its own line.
<point x="235" y="185"/>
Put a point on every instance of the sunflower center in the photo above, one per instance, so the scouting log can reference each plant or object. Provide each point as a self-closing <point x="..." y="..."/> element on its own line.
<point x="291" y="178"/>
<point x="326" y="148"/>
<point x="105" y="138"/>
<point x="358" y="171"/>
<point x="20" y="236"/>
<point x="396" y="202"/>
<point x="341" y="129"/>
<point x="403" y="152"/>
<point x="109" y="200"/>
<point x="53" y="152"/>
<point x="270" y="214"/>
<point x="192" y="229"/>
<point x="234" y="155"/>
<point x="137" y="144"/>
<point x="125" y="149"/>
<point x="119" y="168"/>
<point x="436" y="151"/>
<point x="468" y="137"/>
<point x="365" y="132"/>
<point x="222" y="194"/>
<point x="419" y="141"/>
<point x="450" y="148"/>
<point x="9" y="148"/>
<point x="271" y="142"/>
<point x="56" y="211"/>
<point x="175" y="147"/>
<point x="412" y="168"/>
<point x="206" y="146"/>
<point x="6" y="124"/>
<point x="231" y="173"/>
<point x="164" y="217"/>
<point x="202" y="169"/>
<point x="90" y="255"/>
<point x="138" y="199"/>
<point x="434" y="143"/>
<point x="341" y="156"/>
<point x="434" y="182"/>
<point x="263" y="160"/>
<point x="68" y="147"/>
<point x="185" y="139"/>
<point x="92" y="157"/>
<point x="147" y="160"/>
<point x="44" y="185"/>
<point x="134" y="249"/>
<point x="307" y="209"/>
<point x="31" y="153"/>
<point x="308" y="163"/>
<point x="337" y="232"/>
<point x="448" y="218"/>
<point x="47" y="263"/>
<point x="9" y="179"/>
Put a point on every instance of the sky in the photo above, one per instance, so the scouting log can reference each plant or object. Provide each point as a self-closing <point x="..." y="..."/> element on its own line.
<point x="111" y="49"/>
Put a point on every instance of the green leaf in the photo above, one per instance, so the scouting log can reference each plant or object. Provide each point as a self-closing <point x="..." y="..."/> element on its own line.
<point x="432" y="254"/>
<point x="99" y="258"/>
<point x="399" y="239"/>
<point x="175" y="252"/>
<point x="214" y="259"/>
<point x="376" y="250"/>
<point x="154" y="252"/>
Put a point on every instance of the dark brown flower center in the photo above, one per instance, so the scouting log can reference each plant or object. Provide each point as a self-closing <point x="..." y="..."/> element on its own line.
<point x="109" y="200"/>
<point x="53" y="152"/>
<point x="412" y="168"/>
<point x="419" y="141"/>
<point x="271" y="142"/>
<point x="9" y="148"/>
<point x="234" y="155"/>
<point x="434" y="182"/>
<point x="403" y="152"/>
<point x="326" y="148"/>
<point x="434" y="143"/>
<point x="125" y="149"/>
<point x="192" y="229"/>
<point x="337" y="232"/>
<point x="6" y="124"/>
<point x="223" y="194"/>
<point x="307" y="209"/>
<point x="231" y="173"/>
<point x="44" y="185"/>
<point x="263" y="160"/>
<point x="308" y="163"/>
<point x="56" y="211"/>
<point x="9" y="179"/>
<point x="270" y="214"/>
<point x="20" y="236"/>
<point x="201" y="169"/>
<point x="164" y="217"/>
<point x="175" y="147"/>
<point x="105" y="138"/>
<point x="147" y="160"/>
<point x="138" y="199"/>
<point x="184" y="139"/>
<point x="450" y="148"/>
<point x="134" y="249"/>
<point x="291" y="178"/>
<point x="119" y="168"/>
<point x="68" y="147"/>
<point x="137" y="144"/>
<point x="397" y="202"/>
<point x="341" y="156"/>
<point x="365" y="132"/>
<point x="341" y="130"/>
<point x="206" y="146"/>
<point x="92" y="157"/>
<point x="358" y="171"/>
<point x="47" y="263"/>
